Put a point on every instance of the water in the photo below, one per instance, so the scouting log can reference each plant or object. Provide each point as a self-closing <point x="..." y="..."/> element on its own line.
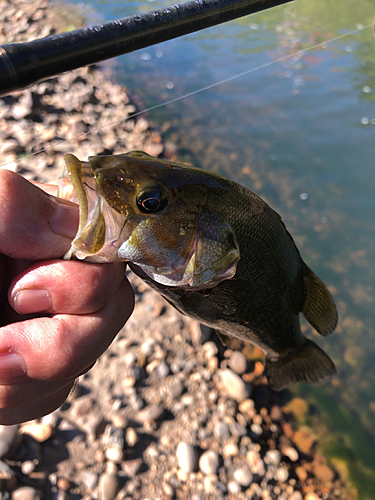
<point x="300" y="133"/>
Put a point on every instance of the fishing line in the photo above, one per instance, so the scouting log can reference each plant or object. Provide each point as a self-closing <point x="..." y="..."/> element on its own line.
<point x="297" y="54"/>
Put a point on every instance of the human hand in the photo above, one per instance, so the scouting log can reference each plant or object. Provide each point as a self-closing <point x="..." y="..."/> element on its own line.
<point x="56" y="317"/>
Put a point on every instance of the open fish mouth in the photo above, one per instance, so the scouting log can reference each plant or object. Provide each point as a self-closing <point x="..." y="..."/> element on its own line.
<point x="100" y="227"/>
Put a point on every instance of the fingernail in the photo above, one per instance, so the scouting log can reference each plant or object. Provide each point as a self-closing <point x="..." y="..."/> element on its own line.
<point x="12" y="368"/>
<point x="32" y="301"/>
<point x="65" y="220"/>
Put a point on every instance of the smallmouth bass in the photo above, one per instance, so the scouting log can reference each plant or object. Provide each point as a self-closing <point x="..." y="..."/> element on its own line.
<point x="215" y="250"/>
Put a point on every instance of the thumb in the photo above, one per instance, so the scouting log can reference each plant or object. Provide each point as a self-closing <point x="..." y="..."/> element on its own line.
<point x="33" y="224"/>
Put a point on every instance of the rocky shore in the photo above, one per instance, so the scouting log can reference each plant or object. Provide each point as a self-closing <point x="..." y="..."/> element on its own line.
<point x="167" y="412"/>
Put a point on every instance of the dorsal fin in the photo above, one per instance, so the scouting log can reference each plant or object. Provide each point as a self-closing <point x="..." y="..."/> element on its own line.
<point x="318" y="306"/>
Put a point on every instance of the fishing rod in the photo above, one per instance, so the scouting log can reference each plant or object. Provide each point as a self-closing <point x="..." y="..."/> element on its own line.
<point x="25" y="64"/>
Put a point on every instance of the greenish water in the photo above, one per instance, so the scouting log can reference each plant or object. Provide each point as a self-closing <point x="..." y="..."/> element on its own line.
<point x="300" y="133"/>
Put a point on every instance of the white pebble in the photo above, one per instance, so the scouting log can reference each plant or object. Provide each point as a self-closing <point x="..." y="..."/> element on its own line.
<point x="296" y="496"/>
<point x="256" y="429"/>
<point x="234" y="488"/>
<point x="365" y="120"/>
<point x="209" y="462"/>
<point x="233" y="385"/>
<point x="243" y="476"/>
<point x="291" y="453"/>
<point x="209" y="349"/>
<point x="272" y="457"/>
<point x="282" y="474"/>
<point x="187" y="457"/>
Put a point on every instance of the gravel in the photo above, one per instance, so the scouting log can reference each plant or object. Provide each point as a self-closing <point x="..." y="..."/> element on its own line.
<point x="166" y="413"/>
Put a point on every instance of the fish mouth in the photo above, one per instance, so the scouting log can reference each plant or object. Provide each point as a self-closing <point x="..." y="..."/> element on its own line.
<point x="100" y="227"/>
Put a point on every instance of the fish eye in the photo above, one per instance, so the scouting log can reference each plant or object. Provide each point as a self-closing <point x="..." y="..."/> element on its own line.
<point x="152" y="200"/>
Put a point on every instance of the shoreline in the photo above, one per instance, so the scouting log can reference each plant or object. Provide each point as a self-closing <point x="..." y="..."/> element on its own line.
<point x="166" y="412"/>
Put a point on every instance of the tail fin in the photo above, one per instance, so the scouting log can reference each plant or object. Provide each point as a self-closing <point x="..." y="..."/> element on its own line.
<point x="318" y="306"/>
<point x="311" y="364"/>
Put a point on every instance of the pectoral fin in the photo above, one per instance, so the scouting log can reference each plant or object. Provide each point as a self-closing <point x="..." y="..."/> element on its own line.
<point x="216" y="251"/>
<point x="318" y="306"/>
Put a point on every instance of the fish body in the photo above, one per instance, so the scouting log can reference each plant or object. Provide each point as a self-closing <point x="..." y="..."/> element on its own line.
<point x="215" y="250"/>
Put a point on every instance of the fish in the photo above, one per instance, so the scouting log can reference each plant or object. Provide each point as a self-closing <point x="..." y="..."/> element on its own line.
<point x="211" y="247"/>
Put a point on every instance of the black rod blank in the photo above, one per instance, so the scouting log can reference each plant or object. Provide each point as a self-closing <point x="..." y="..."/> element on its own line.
<point x="24" y="64"/>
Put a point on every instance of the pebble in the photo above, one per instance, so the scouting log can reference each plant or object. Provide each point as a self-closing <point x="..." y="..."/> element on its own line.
<point x="200" y="333"/>
<point x="233" y="487"/>
<point x="311" y="496"/>
<point x="210" y="483"/>
<point x="301" y="473"/>
<point x="324" y="473"/>
<point x="27" y="493"/>
<point x="221" y="431"/>
<point x="272" y="457"/>
<point x="237" y="362"/>
<point x="132" y="467"/>
<point x="209" y="349"/>
<point x="255" y="462"/>
<point x="247" y="407"/>
<point x="114" y="453"/>
<point x="28" y="466"/>
<point x="90" y="479"/>
<point x="187" y="457"/>
<point x="233" y="385"/>
<point x="151" y="412"/>
<point x="296" y="495"/>
<point x="39" y="431"/>
<point x="256" y="429"/>
<point x="131" y="437"/>
<point x="291" y="453"/>
<point x="162" y="369"/>
<point x="209" y="462"/>
<point x="237" y="429"/>
<point x="6" y="472"/>
<point x="282" y="474"/>
<point x="9" y="440"/>
<point x="230" y="450"/>
<point x="243" y="476"/>
<point x="108" y="486"/>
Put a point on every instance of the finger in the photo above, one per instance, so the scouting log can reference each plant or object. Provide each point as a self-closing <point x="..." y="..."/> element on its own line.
<point x="11" y="416"/>
<point x="33" y="224"/>
<point x="47" y="188"/>
<point x="68" y="287"/>
<point x="62" y="346"/>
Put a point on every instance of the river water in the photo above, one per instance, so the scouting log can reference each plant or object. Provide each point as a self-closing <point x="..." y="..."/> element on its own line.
<point x="297" y="127"/>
